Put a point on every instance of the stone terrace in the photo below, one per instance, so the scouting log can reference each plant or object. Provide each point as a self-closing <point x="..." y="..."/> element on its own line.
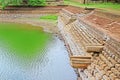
<point x="86" y="32"/>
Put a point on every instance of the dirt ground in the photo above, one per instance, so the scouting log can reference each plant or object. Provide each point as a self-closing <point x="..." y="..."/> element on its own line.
<point x="111" y="26"/>
<point x="50" y="27"/>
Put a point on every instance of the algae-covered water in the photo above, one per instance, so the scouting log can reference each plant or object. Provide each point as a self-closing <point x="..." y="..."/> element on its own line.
<point x="29" y="53"/>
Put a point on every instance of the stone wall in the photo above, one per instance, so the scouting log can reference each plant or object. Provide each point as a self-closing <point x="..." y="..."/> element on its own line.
<point x="79" y="34"/>
<point x="54" y="2"/>
<point x="32" y="10"/>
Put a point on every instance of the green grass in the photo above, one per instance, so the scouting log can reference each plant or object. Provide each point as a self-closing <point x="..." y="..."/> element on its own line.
<point x="113" y="6"/>
<point x="52" y="18"/>
<point x="5" y="3"/>
<point x="49" y="17"/>
<point x="25" y="40"/>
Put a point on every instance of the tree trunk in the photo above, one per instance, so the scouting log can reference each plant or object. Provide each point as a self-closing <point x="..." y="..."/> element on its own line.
<point x="84" y="2"/>
<point x="25" y="1"/>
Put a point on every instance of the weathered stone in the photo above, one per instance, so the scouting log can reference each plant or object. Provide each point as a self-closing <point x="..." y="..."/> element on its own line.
<point x="112" y="76"/>
<point x="107" y="68"/>
<point x="108" y="72"/>
<point x="112" y="60"/>
<point x="106" y="77"/>
<point x="119" y="69"/>
<point x="98" y="76"/>
<point x="104" y="64"/>
<point x="116" y="58"/>
<point x="117" y="66"/>
<point x="92" y="78"/>
<point x="115" y="71"/>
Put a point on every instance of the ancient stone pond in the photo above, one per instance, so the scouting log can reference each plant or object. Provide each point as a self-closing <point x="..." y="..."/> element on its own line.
<point x="29" y="53"/>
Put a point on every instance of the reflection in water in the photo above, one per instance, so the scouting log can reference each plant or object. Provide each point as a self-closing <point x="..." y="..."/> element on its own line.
<point x="51" y="62"/>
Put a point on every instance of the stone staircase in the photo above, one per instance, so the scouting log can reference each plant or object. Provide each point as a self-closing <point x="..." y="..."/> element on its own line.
<point x="80" y="61"/>
<point x="82" y="39"/>
<point x="90" y="43"/>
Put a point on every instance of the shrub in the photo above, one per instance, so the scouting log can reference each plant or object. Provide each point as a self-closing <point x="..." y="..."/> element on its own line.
<point x="5" y="3"/>
<point x="37" y="2"/>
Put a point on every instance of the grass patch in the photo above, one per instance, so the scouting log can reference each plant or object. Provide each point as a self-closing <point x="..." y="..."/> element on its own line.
<point x="52" y="18"/>
<point x="113" y="6"/>
<point x="49" y="17"/>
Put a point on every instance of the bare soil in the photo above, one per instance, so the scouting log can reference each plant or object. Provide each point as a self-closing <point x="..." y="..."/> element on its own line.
<point x="110" y="26"/>
<point x="50" y="27"/>
<point x="74" y="9"/>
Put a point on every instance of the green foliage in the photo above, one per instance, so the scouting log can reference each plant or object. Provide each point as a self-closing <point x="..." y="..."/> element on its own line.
<point x="5" y="3"/>
<point x="108" y="5"/>
<point x="49" y="17"/>
<point x="37" y="2"/>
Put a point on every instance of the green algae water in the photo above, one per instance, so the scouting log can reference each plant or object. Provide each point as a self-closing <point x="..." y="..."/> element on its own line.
<point x="29" y="53"/>
<point x="23" y="40"/>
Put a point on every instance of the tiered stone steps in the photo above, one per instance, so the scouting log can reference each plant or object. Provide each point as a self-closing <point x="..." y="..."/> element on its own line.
<point x="77" y="48"/>
<point x="67" y="17"/>
<point x="87" y="39"/>
<point x="80" y="61"/>
<point x="81" y="42"/>
<point x="98" y="35"/>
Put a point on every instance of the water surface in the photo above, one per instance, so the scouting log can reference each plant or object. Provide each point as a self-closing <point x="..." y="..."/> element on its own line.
<point x="28" y="53"/>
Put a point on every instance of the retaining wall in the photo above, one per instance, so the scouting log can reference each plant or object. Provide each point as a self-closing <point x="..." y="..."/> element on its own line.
<point x="32" y="10"/>
<point x="79" y="33"/>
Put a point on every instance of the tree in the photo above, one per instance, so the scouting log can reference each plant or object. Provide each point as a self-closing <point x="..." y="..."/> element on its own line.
<point x="36" y="2"/>
<point x="117" y="1"/>
<point x="5" y="3"/>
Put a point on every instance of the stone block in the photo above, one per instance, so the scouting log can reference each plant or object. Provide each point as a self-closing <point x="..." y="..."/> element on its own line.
<point x="115" y="71"/>
<point x="101" y="63"/>
<point x="94" y="48"/>
<point x="107" y="68"/>
<point x="106" y="61"/>
<point x="119" y="69"/>
<point x="117" y="66"/>
<point x="92" y="78"/>
<point x="112" y="60"/>
<point x="108" y="72"/>
<point x="106" y="77"/>
<point x="98" y="76"/>
<point x="103" y="66"/>
<point x="112" y="76"/>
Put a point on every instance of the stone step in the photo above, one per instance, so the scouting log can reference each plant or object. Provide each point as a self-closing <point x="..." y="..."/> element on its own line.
<point x="78" y="48"/>
<point x="91" y="45"/>
<point x="111" y="49"/>
<point x="75" y="50"/>
<point x="87" y="33"/>
<point x="102" y="57"/>
<point x="98" y="35"/>
<point x="80" y="61"/>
